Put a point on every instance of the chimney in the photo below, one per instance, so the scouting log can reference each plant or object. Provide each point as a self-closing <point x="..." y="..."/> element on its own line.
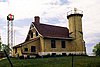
<point x="37" y="19"/>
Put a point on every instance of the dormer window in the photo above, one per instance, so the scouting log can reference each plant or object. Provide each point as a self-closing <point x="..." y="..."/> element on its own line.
<point x="31" y="34"/>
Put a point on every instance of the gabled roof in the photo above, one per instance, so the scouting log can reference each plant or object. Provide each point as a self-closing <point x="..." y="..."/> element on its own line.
<point x="51" y="31"/>
<point x="47" y="31"/>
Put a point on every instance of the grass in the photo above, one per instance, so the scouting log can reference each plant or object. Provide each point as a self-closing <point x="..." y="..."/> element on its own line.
<point x="79" y="61"/>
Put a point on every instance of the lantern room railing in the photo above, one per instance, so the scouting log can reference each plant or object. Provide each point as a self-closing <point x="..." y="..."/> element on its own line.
<point x="75" y="11"/>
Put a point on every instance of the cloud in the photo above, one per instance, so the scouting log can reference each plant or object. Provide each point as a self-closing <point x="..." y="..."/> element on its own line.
<point x="23" y="8"/>
<point x="64" y="2"/>
<point x="20" y="34"/>
<point x="90" y="18"/>
<point x="21" y="28"/>
<point x="91" y="40"/>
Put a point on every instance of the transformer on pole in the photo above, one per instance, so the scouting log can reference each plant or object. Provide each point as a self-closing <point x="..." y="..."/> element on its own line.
<point x="10" y="19"/>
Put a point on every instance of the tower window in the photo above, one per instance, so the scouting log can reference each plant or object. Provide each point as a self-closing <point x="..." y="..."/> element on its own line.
<point x="63" y="44"/>
<point x="53" y="45"/>
<point x="25" y="49"/>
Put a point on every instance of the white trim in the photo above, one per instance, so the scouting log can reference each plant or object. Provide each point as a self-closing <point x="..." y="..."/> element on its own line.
<point x="60" y="53"/>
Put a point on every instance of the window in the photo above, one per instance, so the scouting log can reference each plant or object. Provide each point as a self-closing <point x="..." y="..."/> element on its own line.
<point x="63" y="44"/>
<point x="31" y="34"/>
<point x="25" y="49"/>
<point x="53" y="45"/>
<point x="15" y="50"/>
<point x="33" y="48"/>
<point x="36" y="33"/>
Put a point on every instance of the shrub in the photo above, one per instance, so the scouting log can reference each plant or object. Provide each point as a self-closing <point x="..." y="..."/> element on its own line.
<point x="21" y="57"/>
<point x="46" y="56"/>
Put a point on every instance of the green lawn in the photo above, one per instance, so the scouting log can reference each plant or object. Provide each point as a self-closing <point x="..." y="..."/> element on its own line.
<point x="79" y="61"/>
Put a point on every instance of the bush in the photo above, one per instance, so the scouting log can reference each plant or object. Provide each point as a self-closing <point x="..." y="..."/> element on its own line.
<point x="77" y="54"/>
<point x="21" y="57"/>
<point x="37" y="56"/>
<point x="46" y="56"/>
<point x="28" y="57"/>
<point x="53" y="55"/>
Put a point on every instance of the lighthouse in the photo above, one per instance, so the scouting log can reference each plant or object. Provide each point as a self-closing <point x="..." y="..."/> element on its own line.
<point x="75" y="29"/>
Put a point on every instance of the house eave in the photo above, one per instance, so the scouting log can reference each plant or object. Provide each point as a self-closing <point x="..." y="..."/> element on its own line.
<point x="69" y="38"/>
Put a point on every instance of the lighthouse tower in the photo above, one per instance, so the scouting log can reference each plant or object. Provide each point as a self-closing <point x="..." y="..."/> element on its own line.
<point x="75" y="30"/>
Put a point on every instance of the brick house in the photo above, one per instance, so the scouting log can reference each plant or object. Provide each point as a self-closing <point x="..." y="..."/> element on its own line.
<point x="43" y="39"/>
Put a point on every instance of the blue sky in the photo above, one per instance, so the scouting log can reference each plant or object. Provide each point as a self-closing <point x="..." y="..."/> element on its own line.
<point x="52" y="12"/>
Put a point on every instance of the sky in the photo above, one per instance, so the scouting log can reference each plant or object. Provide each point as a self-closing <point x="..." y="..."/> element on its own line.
<point x="52" y="12"/>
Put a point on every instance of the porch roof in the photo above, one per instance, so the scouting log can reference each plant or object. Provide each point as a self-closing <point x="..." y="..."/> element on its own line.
<point x="21" y="44"/>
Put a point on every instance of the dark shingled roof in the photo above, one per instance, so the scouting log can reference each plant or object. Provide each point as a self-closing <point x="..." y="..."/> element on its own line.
<point x="52" y="31"/>
<point x="47" y="31"/>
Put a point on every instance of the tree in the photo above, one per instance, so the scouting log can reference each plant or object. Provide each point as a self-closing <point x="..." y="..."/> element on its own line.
<point x="96" y="49"/>
<point x="6" y="48"/>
